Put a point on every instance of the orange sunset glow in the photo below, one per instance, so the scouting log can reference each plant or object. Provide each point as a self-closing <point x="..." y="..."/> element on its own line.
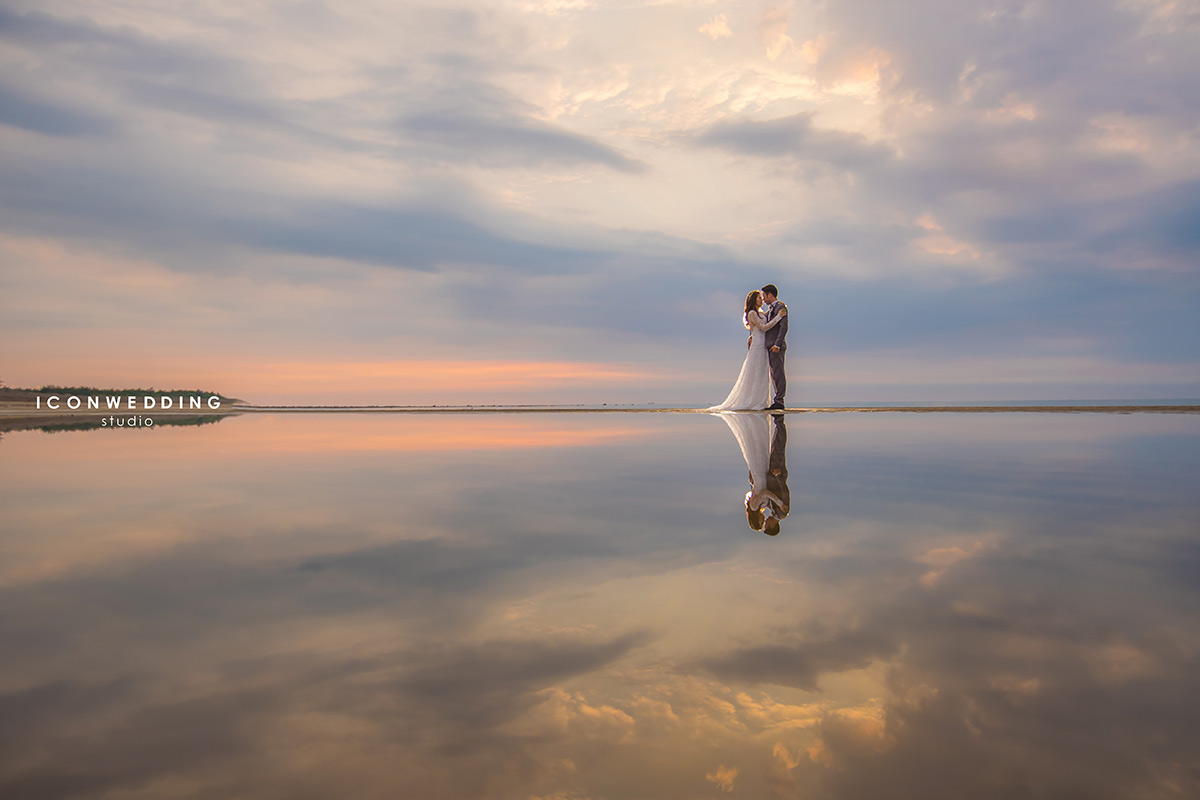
<point x="330" y="435"/>
<point x="342" y="382"/>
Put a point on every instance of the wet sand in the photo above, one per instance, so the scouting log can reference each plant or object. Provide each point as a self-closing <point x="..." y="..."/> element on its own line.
<point x="20" y="417"/>
<point x="1072" y="409"/>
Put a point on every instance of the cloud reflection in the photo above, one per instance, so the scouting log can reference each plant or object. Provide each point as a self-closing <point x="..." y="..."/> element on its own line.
<point x="965" y="615"/>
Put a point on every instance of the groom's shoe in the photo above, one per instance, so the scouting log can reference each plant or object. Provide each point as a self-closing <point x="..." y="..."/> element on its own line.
<point x="776" y="407"/>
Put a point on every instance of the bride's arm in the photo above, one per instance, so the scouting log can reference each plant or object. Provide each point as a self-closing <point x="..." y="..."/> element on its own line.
<point x="756" y="320"/>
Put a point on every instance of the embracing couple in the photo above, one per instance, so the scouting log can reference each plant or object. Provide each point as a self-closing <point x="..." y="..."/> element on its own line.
<point x="766" y="318"/>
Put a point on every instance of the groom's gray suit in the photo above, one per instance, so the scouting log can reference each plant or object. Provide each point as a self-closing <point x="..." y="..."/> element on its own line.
<point x="776" y="337"/>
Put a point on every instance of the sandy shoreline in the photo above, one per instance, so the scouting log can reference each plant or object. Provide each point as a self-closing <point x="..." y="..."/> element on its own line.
<point x="11" y="413"/>
<point x="1077" y="409"/>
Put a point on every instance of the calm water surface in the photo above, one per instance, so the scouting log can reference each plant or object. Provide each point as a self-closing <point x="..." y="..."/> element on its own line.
<point x="577" y="606"/>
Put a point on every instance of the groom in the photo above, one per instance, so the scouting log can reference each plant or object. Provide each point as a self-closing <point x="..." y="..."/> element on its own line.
<point x="776" y="346"/>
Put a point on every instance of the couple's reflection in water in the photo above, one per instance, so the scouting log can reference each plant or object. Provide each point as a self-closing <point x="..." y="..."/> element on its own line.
<point x="763" y="440"/>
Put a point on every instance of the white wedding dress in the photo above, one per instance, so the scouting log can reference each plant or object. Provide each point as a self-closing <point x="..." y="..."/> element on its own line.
<point x="753" y="434"/>
<point x="752" y="391"/>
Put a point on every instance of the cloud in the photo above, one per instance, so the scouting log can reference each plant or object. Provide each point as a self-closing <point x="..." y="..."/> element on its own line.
<point x="147" y="742"/>
<point x="717" y="27"/>
<point x="774" y="26"/>
<point x="427" y="694"/>
<point x="505" y="141"/>
<point x="1159" y="223"/>
<point x="801" y="664"/>
<point x="955" y="738"/>
<point x="476" y="122"/>
<point x="39" y="116"/>
<point x="449" y="711"/>
<point x="484" y="685"/>
<point x="796" y="137"/>
<point x="119" y="64"/>
<point x="722" y="777"/>
<point x="403" y="237"/>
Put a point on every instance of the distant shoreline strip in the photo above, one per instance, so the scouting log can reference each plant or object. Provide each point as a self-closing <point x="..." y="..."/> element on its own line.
<point x="1075" y="409"/>
<point x="247" y="409"/>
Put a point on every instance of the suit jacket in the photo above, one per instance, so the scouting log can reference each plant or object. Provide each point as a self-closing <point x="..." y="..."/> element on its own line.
<point x="776" y="335"/>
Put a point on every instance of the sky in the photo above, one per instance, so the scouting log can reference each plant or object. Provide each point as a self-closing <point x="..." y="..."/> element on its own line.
<point x="566" y="201"/>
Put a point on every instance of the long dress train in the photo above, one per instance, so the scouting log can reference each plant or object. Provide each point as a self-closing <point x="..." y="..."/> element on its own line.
<point x="753" y="434"/>
<point x="751" y="390"/>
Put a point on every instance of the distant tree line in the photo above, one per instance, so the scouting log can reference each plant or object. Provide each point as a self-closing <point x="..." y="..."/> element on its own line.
<point x="208" y="419"/>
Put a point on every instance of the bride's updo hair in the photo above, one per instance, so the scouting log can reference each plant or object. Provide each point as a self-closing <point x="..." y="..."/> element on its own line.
<point x="752" y="303"/>
<point x="755" y="517"/>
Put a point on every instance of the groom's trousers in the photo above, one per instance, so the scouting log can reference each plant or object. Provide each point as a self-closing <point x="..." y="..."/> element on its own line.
<point x="778" y="376"/>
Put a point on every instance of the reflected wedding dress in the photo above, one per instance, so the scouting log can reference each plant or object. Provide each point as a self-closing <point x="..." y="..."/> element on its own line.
<point x="752" y="390"/>
<point x="753" y="434"/>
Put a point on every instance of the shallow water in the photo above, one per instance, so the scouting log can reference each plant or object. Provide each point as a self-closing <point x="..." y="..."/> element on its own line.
<point x="575" y="606"/>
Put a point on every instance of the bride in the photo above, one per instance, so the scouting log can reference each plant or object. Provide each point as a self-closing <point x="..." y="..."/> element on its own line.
<point x="753" y="386"/>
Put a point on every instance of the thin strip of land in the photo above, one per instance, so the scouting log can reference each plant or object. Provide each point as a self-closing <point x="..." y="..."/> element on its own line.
<point x="1041" y="409"/>
<point x="25" y="403"/>
<point x="9" y="411"/>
